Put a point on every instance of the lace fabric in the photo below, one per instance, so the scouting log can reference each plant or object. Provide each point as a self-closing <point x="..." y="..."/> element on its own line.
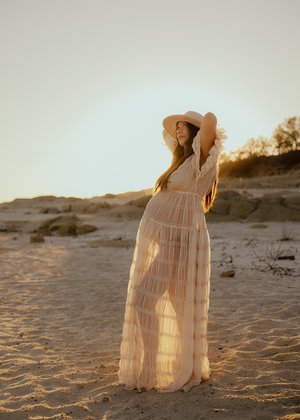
<point x="164" y="337"/>
<point x="213" y="154"/>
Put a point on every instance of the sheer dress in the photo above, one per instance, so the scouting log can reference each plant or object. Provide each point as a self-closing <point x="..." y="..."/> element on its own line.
<point x="164" y="338"/>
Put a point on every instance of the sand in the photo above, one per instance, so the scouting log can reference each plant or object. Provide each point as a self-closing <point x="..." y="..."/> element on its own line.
<point x="62" y="307"/>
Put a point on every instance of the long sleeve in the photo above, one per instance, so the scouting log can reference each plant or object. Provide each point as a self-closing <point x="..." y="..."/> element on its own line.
<point x="206" y="175"/>
<point x="213" y="154"/>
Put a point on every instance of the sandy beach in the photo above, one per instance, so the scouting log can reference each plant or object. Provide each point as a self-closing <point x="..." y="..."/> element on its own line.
<point x="62" y="307"/>
<point x="103" y="105"/>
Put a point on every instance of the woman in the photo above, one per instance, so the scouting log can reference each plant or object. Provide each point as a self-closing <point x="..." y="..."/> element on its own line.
<point x="164" y="342"/>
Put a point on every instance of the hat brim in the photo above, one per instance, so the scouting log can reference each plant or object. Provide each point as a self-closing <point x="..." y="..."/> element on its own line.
<point x="170" y="122"/>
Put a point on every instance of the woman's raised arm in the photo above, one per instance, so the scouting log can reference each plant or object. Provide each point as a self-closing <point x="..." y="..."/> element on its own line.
<point x="207" y="134"/>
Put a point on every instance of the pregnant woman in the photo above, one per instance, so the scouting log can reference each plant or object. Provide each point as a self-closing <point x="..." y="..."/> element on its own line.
<point x="164" y="340"/>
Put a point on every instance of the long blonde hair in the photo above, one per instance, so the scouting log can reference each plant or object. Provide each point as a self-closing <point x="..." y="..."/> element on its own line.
<point x="180" y="154"/>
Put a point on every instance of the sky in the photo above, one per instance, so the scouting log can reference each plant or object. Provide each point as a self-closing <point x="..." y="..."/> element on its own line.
<point x="85" y="85"/>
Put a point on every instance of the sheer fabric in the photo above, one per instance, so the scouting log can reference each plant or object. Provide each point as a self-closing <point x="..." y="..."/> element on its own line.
<point x="164" y="338"/>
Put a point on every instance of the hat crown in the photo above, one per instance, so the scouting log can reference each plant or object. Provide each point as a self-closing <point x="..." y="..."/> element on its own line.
<point x="194" y="115"/>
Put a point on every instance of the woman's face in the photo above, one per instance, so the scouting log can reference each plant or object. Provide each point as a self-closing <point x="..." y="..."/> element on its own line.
<point x="182" y="132"/>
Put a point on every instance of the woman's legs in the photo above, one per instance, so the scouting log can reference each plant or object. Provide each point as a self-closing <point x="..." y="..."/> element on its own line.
<point x="176" y="287"/>
<point x="177" y="293"/>
<point x="177" y="298"/>
<point x="148" y="292"/>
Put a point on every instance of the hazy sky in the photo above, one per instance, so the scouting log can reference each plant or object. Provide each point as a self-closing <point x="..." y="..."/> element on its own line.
<point x="85" y="85"/>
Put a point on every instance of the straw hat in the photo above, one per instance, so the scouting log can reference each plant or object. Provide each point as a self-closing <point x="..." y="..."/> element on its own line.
<point x="192" y="117"/>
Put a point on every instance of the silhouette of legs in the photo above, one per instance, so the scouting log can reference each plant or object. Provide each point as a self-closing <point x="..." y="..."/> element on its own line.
<point x="147" y="295"/>
<point x="177" y="286"/>
<point x="177" y="292"/>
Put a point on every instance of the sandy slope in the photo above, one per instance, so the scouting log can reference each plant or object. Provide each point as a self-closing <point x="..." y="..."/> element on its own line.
<point x="62" y="306"/>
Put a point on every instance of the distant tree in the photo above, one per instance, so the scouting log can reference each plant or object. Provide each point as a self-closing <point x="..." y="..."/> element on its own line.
<point x="224" y="157"/>
<point x="248" y="150"/>
<point x="265" y="146"/>
<point x="262" y="146"/>
<point x="287" y="135"/>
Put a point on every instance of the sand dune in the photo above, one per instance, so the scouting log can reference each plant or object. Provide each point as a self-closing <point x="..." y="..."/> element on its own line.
<point x="62" y="307"/>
